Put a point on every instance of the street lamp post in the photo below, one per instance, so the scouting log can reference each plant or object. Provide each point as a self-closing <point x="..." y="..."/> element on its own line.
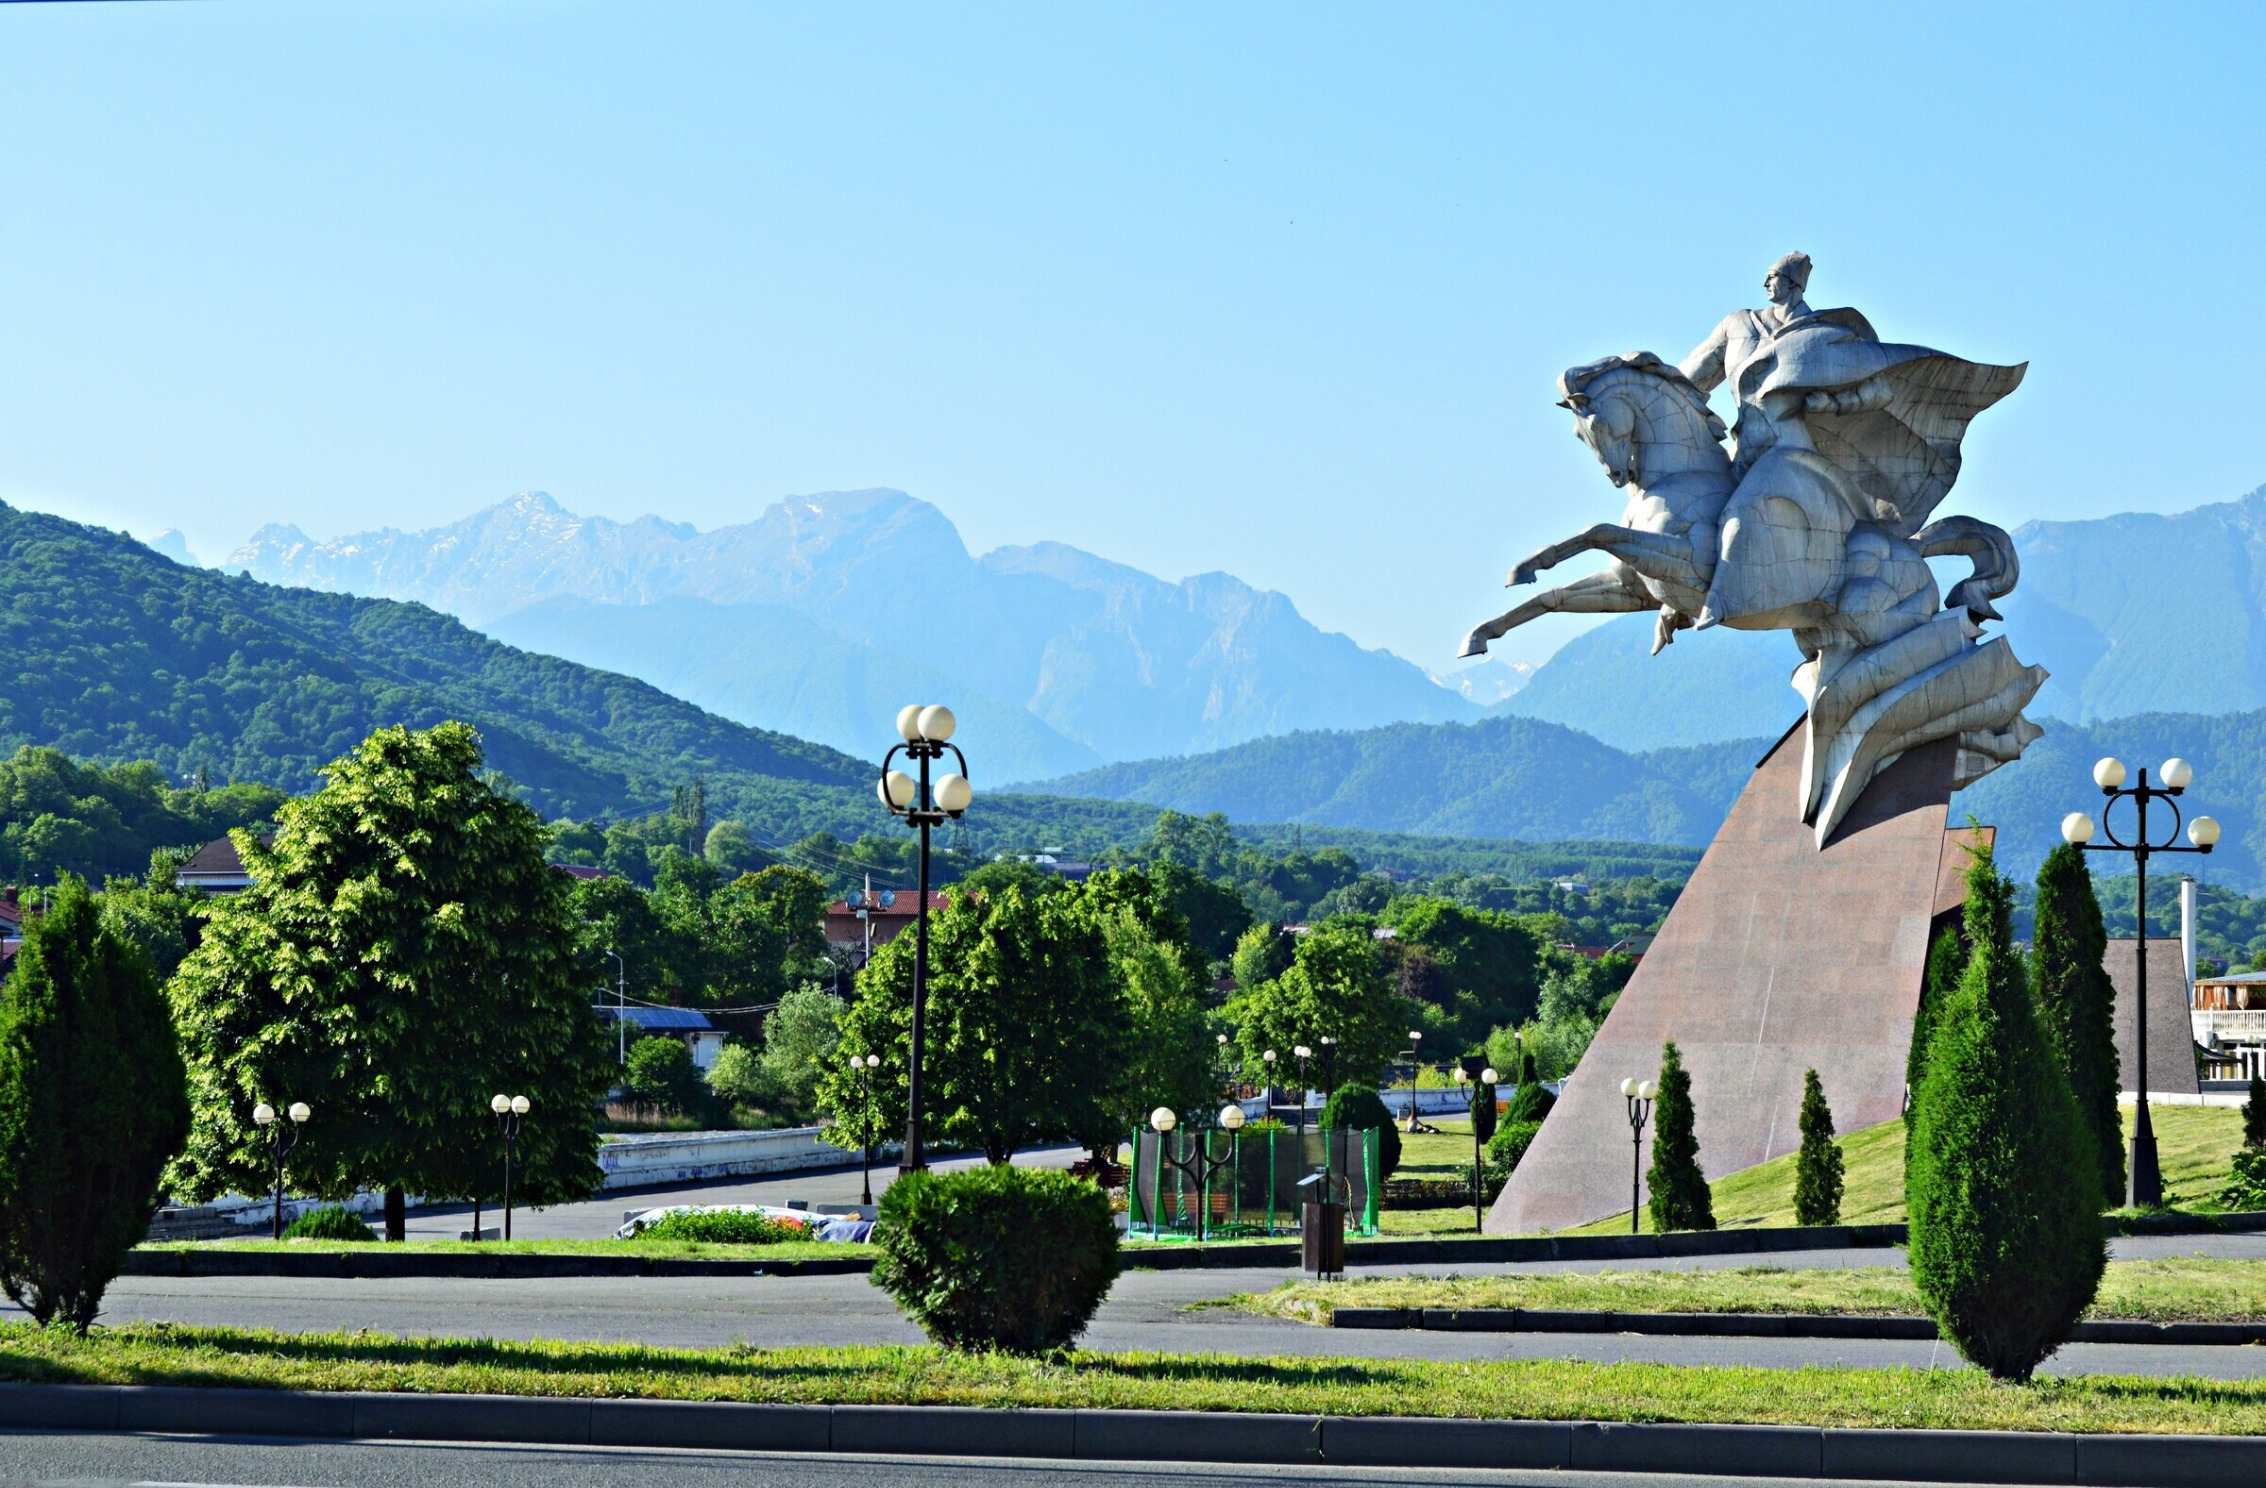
<point x="1638" y="1094"/>
<point x="863" y="1070"/>
<point x="1200" y="1167"/>
<point x="621" y="1010"/>
<point x="281" y="1140"/>
<point x="1227" y="1068"/>
<point x="1486" y="1081"/>
<point x="1303" y="1054"/>
<point x="1329" y="1048"/>
<point x="509" y="1110"/>
<point x="2144" y="1178"/>
<point x="1415" y="1073"/>
<point x="927" y="733"/>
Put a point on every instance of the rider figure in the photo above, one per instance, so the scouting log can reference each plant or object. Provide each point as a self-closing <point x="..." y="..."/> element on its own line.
<point x="1739" y="351"/>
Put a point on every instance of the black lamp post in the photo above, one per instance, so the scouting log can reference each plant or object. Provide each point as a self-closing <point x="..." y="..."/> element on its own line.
<point x="1329" y="1048"/>
<point x="861" y="1070"/>
<point x="1473" y="1085"/>
<point x="1227" y="1068"/>
<point x="281" y="1139"/>
<point x="1199" y="1166"/>
<point x="509" y="1110"/>
<point x="1639" y="1094"/>
<point x="2144" y="1178"/>
<point x="926" y="732"/>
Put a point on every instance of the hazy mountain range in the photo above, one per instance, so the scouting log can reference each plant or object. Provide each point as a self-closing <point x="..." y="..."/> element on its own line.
<point x="827" y="613"/>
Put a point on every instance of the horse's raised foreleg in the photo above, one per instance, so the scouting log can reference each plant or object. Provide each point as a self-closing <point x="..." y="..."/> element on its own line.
<point x="1653" y="554"/>
<point x="1597" y="594"/>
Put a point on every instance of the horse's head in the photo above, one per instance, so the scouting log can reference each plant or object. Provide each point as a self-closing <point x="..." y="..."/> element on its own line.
<point x="1618" y="401"/>
<point x="1606" y="421"/>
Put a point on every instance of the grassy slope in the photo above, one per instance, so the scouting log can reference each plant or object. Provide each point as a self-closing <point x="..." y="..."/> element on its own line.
<point x="2196" y="1145"/>
<point x="157" y="1353"/>
<point x="2189" y="1289"/>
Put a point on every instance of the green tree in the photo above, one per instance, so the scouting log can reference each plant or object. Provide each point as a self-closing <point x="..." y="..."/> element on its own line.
<point x="1215" y="913"/>
<point x="1817" y="1167"/>
<point x="1336" y="987"/>
<point x="403" y="953"/>
<point x="156" y="913"/>
<point x="1022" y="1009"/>
<point x="1359" y="1108"/>
<point x="1488" y="963"/>
<point x="1947" y="962"/>
<point x="93" y="1104"/>
<point x="733" y="851"/>
<point x="2068" y="949"/>
<point x="1676" y="1190"/>
<point x="1532" y="1100"/>
<point x="1167" y="1054"/>
<point x="656" y="965"/>
<point x="1262" y="953"/>
<point x="800" y="1036"/>
<point x="2000" y="1179"/>
<point x="661" y="1075"/>
<point x="738" y="1078"/>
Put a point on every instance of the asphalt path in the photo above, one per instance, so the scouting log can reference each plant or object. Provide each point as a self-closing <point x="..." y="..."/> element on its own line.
<point x="86" y="1460"/>
<point x="1146" y="1310"/>
<point x="598" y="1218"/>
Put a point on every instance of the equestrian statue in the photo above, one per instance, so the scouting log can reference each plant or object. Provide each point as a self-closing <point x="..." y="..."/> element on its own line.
<point x="1810" y="514"/>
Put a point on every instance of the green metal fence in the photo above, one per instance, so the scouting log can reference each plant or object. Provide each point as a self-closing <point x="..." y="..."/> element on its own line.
<point x="1254" y="1181"/>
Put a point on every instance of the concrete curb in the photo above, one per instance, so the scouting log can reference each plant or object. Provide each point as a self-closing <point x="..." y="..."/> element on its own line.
<point x="2135" y="1461"/>
<point x="1761" y="1325"/>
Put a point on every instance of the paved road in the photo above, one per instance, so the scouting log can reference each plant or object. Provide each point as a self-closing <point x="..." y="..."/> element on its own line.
<point x="84" y="1461"/>
<point x="595" y="1219"/>
<point x="1149" y="1310"/>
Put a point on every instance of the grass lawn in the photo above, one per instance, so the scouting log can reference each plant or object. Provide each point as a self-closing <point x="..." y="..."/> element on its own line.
<point x="785" y="1250"/>
<point x="153" y="1354"/>
<point x="2189" y="1289"/>
<point x="2195" y="1145"/>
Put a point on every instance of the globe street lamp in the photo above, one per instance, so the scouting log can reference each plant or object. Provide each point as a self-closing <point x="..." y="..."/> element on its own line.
<point x="1486" y="1081"/>
<point x="1227" y="1068"/>
<point x="1329" y="1048"/>
<point x="861" y="1070"/>
<point x="1303" y="1053"/>
<point x="1639" y="1094"/>
<point x="281" y="1139"/>
<point x="509" y="1109"/>
<point x="2143" y="1177"/>
<point x="1199" y="1166"/>
<point x="927" y="733"/>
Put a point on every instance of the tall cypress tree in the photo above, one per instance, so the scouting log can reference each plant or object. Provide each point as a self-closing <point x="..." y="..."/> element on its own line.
<point x="2078" y="1001"/>
<point x="1947" y="962"/>
<point x="2000" y="1183"/>
<point x="1817" y="1168"/>
<point x="1677" y="1189"/>
<point x="93" y="1103"/>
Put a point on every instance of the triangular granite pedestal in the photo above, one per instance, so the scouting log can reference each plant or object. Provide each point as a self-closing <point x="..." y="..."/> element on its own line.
<point x="1780" y="956"/>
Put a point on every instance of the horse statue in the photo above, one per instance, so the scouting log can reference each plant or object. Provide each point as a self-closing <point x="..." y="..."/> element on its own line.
<point x="1814" y="520"/>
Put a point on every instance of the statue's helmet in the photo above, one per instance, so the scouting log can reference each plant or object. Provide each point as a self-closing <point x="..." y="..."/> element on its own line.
<point x="1794" y="266"/>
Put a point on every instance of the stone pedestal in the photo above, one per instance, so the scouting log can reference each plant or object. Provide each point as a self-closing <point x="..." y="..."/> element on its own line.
<point x="1780" y="956"/>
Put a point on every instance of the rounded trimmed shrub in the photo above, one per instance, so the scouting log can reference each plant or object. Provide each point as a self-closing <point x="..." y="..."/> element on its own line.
<point x="1017" y="1259"/>
<point x="331" y="1222"/>
<point x="1510" y="1142"/>
<point x="1359" y="1108"/>
<point x="1532" y="1100"/>
<point x="725" y="1227"/>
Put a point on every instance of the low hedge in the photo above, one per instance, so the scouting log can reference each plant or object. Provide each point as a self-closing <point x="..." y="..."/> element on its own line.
<point x="725" y="1227"/>
<point x="329" y="1223"/>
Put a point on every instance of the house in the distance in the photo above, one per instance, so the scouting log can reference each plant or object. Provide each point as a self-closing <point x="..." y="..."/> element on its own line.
<point x="215" y="868"/>
<point x="863" y="919"/>
<point x="686" y="1025"/>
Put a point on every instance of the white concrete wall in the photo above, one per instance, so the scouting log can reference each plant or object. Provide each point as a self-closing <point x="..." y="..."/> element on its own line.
<point x="651" y="1160"/>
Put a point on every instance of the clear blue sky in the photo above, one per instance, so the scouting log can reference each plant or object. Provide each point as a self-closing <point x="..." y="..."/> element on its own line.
<point x="1280" y="291"/>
